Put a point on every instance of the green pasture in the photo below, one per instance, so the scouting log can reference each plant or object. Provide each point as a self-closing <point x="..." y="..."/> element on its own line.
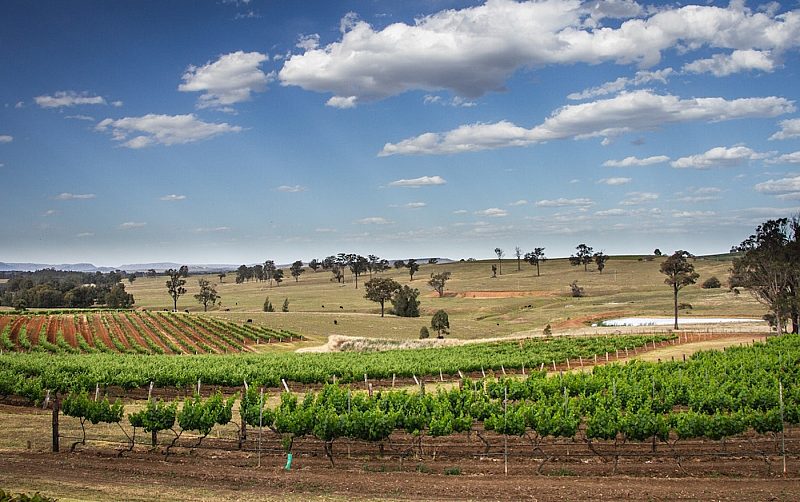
<point x="319" y="307"/>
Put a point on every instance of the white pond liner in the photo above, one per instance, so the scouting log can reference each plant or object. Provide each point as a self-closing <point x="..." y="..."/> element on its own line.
<point x="664" y="321"/>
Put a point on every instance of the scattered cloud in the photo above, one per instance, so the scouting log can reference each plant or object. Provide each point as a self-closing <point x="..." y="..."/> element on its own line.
<point x="693" y="214"/>
<point x="166" y="130"/>
<point x="308" y="42"/>
<point x="719" y="157"/>
<point x="493" y="212"/>
<point x="80" y="117"/>
<point x="415" y="205"/>
<point x="520" y="202"/>
<point x="5" y="138"/>
<point x="633" y="111"/>
<point x="456" y="101"/>
<point x="474" y="50"/>
<point x="342" y="102"/>
<point x="636" y="198"/>
<point x="250" y="14"/>
<point x="74" y="196"/>
<point x="460" y="211"/>
<point x="173" y="197"/>
<point x="418" y="182"/>
<point x="50" y="212"/>
<point x="611" y="212"/>
<point x="622" y="83"/>
<point x="721" y="65"/>
<point x="229" y="80"/>
<point x="789" y="129"/>
<point x="635" y="162"/>
<point x="68" y="99"/>
<point x="562" y="202"/>
<point x="83" y="235"/>
<point x="615" y="181"/>
<point x="373" y="220"/>
<point x="783" y="188"/>
<point x="20" y="104"/>
<point x="703" y="194"/>
<point x="130" y="225"/>
<point x="203" y="230"/>
<point x="787" y="158"/>
<point x="291" y="188"/>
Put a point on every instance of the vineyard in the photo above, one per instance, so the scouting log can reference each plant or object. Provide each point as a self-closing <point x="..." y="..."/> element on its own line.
<point x="31" y="374"/>
<point x="513" y="408"/>
<point x="132" y="332"/>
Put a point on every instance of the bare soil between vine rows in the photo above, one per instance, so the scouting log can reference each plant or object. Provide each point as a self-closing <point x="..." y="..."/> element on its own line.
<point x="212" y="474"/>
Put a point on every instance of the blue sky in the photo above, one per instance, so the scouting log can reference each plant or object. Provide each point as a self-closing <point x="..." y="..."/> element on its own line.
<point x="240" y="131"/>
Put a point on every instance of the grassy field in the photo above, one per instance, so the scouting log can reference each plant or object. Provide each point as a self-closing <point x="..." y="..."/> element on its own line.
<point x="479" y="306"/>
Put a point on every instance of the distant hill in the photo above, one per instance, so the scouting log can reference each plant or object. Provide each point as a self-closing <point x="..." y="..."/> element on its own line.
<point x="130" y="267"/>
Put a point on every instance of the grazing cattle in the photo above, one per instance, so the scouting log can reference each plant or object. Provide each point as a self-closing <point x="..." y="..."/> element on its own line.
<point x="249" y="320"/>
<point x="335" y="322"/>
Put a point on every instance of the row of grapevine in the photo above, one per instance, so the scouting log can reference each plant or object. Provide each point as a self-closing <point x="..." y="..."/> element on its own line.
<point x="130" y="332"/>
<point x="83" y="371"/>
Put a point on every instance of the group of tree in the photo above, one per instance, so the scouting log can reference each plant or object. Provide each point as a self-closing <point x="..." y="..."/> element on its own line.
<point x="264" y="272"/>
<point x="585" y="255"/>
<point x="769" y="267"/>
<point x="50" y="288"/>
<point x="403" y="298"/>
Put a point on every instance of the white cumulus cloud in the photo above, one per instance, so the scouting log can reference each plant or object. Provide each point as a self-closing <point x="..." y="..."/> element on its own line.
<point x="291" y="188"/>
<point x="634" y="161"/>
<point x="74" y="196"/>
<point x="721" y="65"/>
<point x="229" y="80"/>
<point x="418" y="182"/>
<point x="719" y="157"/>
<point x="474" y="50"/>
<point x="615" y="181"/>
<point x="636" y="198"/>
<point x="373" y="220"/>
<point x="783" y="188"/>
<point x="342" y="102"/>
<point x="130" y="225"/>
<point x="162" y="129"/>
<point x="493" y="212"/>
<point x="789" y="129"/>
<point x="787" y="158"/>
<point x="563" y="202"/>
<point x="5" y="138"/>
<point x="68" y="99"/>
<point x="627" y="112"/>
<point x="173" y="197"/>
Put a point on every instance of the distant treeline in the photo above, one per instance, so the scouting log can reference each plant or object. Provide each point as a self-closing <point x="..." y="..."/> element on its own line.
<point x="50" y="288"/>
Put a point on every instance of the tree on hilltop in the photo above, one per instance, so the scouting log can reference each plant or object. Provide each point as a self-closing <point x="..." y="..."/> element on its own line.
<point x="438" y="281"/>
<point x="412" y="267"/>
<point x="296" y="270"/>
<point x="500" y="253"/>
<point x="680" y="273"/>
<point x="175" y="284"/>
<point x="584" y="256"/>
<point x="380" y="289"/>
<point x="208" y="294"/>
<point x="535" y="257"/>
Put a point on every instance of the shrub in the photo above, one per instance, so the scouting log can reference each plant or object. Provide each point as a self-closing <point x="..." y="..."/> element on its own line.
<point x="268" y="306"/>
<point x="424" y="333"/>
<point x="547" y="331"/>
<point x="577" y="291"/>
<point x="405" y="303"/>
<point x="711" y="283"/>
<point x="285" y="307"/>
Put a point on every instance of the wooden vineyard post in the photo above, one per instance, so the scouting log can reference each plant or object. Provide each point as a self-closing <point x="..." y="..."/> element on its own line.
<point x="56" y="409"/>
<point x="783" y="427"/>
<point x="260" y="424"/>
<point x="243" y="435"/>
<point x="505" y="429"/>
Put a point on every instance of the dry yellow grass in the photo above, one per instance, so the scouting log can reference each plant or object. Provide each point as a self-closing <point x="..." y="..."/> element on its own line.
<point x="478" y="305"/>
